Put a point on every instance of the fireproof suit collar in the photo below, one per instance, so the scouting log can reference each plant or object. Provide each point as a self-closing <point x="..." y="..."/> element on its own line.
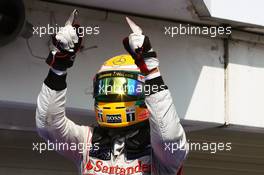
<point x="136" y="138"/>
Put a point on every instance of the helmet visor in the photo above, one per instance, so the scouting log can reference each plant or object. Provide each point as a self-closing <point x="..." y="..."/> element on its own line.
<point x="118" y="89"/>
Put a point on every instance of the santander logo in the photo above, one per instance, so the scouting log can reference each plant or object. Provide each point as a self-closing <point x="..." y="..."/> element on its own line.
<point x="89" y="166"/>
<point x="100" y="167"/>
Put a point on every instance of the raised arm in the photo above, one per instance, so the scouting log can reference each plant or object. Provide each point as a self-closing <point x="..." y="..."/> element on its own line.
<point x="167" y="135"/>
<point x="51" y="122"/>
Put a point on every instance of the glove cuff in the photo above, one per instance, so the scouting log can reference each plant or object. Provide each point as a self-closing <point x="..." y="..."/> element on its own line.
<point x="152" y="75"/>
<point x="56" y="82"/>
<point x="155" y="85"/>
<point x="58" y="72"/>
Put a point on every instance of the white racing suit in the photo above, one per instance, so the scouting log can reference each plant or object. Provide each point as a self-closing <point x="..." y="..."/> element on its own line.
<point x="168" y="147"/>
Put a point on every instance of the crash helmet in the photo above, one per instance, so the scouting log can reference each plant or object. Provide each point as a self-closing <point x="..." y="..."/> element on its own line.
<point x="119" y="93"/>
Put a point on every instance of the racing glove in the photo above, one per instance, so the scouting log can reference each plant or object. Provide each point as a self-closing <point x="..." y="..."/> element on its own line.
<point x="67" y="43"/>
<point x="139" y="47"/>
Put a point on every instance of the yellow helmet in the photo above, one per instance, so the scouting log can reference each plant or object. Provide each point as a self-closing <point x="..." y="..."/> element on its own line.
<point x="119" y="93"/>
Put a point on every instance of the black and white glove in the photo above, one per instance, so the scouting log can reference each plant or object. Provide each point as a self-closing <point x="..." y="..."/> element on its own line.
<point x="139" y="47"/>
<point x="67" y="43"/>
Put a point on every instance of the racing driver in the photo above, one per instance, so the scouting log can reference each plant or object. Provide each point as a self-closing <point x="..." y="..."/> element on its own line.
<point x="137" y="126"/>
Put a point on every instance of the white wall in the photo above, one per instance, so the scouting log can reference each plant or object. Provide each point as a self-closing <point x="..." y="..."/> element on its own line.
<point x="189" y="64"/>
<point x="246" y="87"/>
<point x="245" y="11"/>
